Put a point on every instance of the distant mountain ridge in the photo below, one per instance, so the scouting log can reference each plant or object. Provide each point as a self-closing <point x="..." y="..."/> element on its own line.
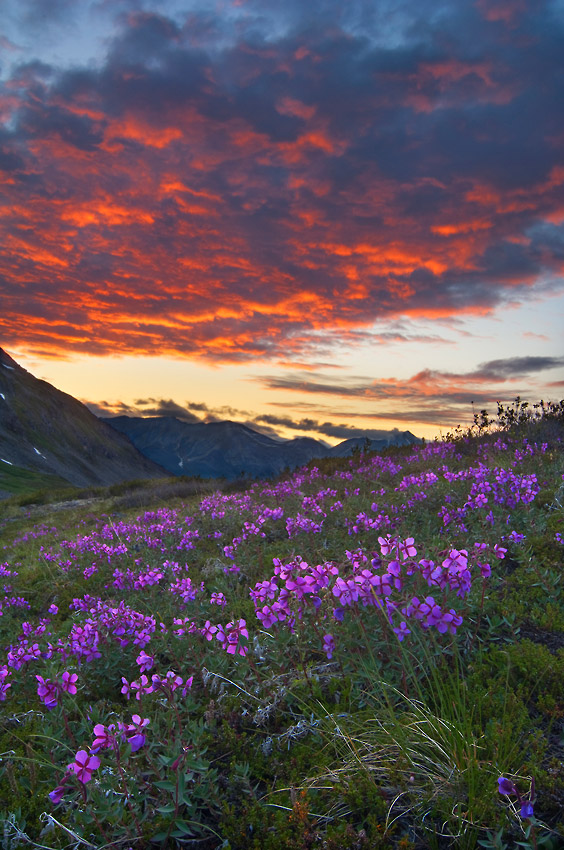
<point x="232" y="450"/>
<point x="49" y="438"/>
<point x="47" y="432"/>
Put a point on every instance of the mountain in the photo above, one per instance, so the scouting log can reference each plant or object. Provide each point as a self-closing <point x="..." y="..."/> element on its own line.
<point x="356" y="444"/>
<point x="231" y="450"/>
<point x="49" y="438"/>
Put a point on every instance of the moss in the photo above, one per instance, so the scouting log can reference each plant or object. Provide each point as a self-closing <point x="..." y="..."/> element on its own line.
<point x="297" y="827"/>
<point x="538" y="674"/>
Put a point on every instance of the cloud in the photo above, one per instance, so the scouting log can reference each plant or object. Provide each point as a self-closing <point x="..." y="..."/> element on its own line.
<point x="169" y="407"/>
<point x="501" y="370"/>
<point x="268" y="424"/>
<point x="107" y="409"/>
<point x="142" y="407"/>
<point x="340" y="431"/>
<point x="497" y="371"/>
<point x="34" y="14"/>
<point x="430" y="396"/>
<point x="263" y="184"/>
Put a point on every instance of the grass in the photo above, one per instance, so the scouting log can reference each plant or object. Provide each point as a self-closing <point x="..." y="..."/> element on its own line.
<point x="304" y="695"/>
<point x="19" y="481"/>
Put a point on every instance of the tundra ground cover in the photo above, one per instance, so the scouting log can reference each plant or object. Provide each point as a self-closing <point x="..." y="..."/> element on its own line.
<point x="365" y="653"/>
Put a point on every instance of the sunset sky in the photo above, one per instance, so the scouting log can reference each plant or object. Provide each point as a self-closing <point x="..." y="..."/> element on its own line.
<point x="318" y="217"/>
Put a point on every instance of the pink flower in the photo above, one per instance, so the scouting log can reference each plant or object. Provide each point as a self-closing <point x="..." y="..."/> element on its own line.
<point x="104" y="736"/>
<point x="4" y="673"/>
<point x="145" y="661"/>
<point x="231" y="637"/>
<point x="402" y="630"/>
<point x="47" y="692"/>
<point x="138" y="723"/>
<point x="387" y="544"/>
<point x="218" y="599"/>
<point x="407" y="548"/>
<point x="68" y="683"/>
<point x="208" y="630"/>
<point x="142" y="687"/>
<point x="83" y="765"/>
<point x="137" y="739"/>
<point x="485" y="570"/>
<point x="173" y="680"/>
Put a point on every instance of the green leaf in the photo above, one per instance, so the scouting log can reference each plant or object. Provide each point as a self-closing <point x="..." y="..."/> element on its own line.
<point x="198" y="765"/>
<point x="181" y="785"/>
<point x="183" y="828"/>
<point x="160" y="837"/>
<point x="166" y="785"/>
<point x="166" y="810"/>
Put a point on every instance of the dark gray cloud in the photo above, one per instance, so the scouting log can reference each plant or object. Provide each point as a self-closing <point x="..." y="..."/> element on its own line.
<point x="501" y="370"/>
<point x="168" y="407"/>
<point x="340" y="431"/>
<point x="143" y="407"/>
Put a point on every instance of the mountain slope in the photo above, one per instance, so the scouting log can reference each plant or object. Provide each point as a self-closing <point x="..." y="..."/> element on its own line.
<point x="229" y="449"/>
<point x="50" y="433"/>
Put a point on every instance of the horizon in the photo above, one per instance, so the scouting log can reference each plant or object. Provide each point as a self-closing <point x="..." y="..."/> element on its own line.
<point x="327" y="222"/>
<point x="174" y="411"/>
<point x="250" y="426"/>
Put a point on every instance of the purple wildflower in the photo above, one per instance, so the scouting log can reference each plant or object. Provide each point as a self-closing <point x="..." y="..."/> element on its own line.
<point x="506" y="786"/>
<point x="83" y="765"/>
<point x="144" y="661"/>
<point x="328" y="646"/>
<point x="105" y="736"/>
<point x="56" y="795"/>
<point x="47" y="692"/>
<point x="137" y="739"/>
<point x="68" y="682"/>
<point x="208" y="630"/>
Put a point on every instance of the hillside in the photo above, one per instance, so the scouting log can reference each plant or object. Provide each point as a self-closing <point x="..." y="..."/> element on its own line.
<point x="48" y="438"/>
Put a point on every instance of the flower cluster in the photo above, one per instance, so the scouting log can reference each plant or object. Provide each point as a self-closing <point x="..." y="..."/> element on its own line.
<point x="166" y="684"/>
<point x="380" y="582"/>
<point x="49" y="692"/>
<point x="105" y="737"/>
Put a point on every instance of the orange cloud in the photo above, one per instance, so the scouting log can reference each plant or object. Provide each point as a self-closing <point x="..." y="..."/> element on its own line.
<point x="234" y="204"/>
<point x="461" y="227"/>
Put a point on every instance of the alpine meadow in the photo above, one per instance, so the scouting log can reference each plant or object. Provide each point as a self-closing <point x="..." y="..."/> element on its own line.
<point x="363" y="653"/>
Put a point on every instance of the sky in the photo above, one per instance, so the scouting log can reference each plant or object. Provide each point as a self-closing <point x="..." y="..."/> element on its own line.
<point x="317" y="218"/>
